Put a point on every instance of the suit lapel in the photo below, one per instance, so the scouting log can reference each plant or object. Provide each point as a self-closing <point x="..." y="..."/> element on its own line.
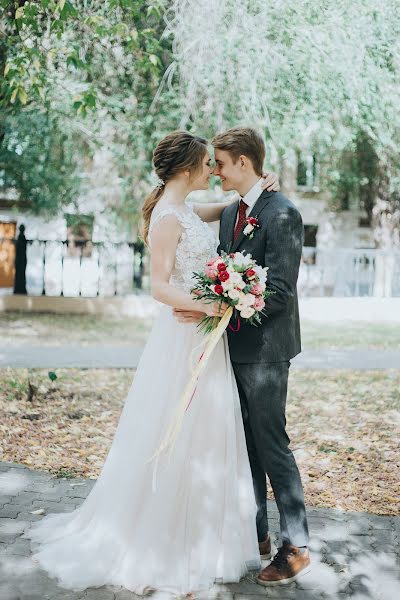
<point x="229" y="225"/>
<point x="258" y="207"/>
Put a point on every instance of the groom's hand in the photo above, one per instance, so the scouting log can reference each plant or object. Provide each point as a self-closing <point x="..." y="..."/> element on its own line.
<point x="188" y="316"/>
<point x="271" y="182"/>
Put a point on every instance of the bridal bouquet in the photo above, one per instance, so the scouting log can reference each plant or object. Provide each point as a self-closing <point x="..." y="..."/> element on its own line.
<point x="237" y="280"/>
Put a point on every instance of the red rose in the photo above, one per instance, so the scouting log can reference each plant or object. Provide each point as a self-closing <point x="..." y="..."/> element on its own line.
<point x="218" y="289"/>
<point x="221" y="267"/>
<point x="250" y="273"/>
<point x="224" y="275"/>
<point x="252" y="221"/>
<point x="232" y="255"/>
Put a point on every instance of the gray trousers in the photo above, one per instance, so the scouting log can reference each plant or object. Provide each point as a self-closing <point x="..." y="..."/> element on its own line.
<point x="263" y="389"/>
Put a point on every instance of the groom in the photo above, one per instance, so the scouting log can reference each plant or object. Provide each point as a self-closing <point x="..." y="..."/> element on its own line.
<point x="261" y="355"/>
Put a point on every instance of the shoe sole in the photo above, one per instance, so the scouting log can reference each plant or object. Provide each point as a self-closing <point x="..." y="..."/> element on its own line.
<point x="284" y="581"/>
<point x="266" y="556"/>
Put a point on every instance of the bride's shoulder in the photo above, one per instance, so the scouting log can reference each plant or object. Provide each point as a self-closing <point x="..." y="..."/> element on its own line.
<point x="176" y="213"/>
<point x="169" y="219"/>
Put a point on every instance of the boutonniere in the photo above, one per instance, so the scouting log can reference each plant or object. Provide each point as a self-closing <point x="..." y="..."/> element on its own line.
<point x="252" y="225"/>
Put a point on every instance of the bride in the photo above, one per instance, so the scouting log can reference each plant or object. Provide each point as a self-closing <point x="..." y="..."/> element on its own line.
<point x="191" y="522"/>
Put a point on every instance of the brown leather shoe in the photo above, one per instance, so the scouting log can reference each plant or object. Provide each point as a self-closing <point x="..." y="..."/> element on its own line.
<point x="288" y="564"/>
<point x="265" y="548"/>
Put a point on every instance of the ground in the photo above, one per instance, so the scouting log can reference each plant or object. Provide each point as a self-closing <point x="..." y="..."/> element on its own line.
<point x="51" y="329"/>
<point x="57" y="426"/>
<point x="344" y="428"/>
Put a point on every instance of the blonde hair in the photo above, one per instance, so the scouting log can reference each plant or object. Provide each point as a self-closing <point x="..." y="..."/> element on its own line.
<point x="242" y="140"/>
<point x="179" y="151"/>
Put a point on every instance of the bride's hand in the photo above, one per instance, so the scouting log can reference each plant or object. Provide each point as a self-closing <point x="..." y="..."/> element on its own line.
<point x="270" y="182"/>
<point x="188" y="316"/>
<point x="215" y="309"/>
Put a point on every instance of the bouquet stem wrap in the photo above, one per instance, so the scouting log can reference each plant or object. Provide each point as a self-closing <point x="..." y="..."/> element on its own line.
<point x="171" y="435"/>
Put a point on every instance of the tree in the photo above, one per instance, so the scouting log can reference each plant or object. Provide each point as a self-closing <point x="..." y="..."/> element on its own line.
<point x="91" y="70"/>
<point x="322" y="76"/>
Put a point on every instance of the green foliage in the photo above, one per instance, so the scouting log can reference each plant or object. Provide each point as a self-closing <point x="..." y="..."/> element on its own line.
<point x="122" y="73"/>
<point x="37" y="159"/>
<point x="322" y="77"/>
<point x="92" y="71"/>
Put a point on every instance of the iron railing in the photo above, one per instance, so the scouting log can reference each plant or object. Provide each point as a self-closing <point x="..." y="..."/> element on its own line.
<point x="349" y="272"/>
<point x="89" y="269"/>
<point x="79" y="268"/>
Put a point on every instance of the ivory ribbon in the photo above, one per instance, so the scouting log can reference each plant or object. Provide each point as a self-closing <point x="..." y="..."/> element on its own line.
<point x="171" y="435"/>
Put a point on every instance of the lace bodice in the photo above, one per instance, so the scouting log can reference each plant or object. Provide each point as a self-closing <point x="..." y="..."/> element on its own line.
<point x="197" y="244"/>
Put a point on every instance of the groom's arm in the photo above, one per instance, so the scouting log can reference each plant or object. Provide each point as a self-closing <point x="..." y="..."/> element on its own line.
<point x="282" y="255"/>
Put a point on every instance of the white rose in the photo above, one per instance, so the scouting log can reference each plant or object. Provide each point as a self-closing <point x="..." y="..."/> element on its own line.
<point x="247" y="312"/>
<point x="248" y="229"/>
<point x="227" y="285"/>
<point x="261" y="273"/>
<point x="240" y="259"/>
<point x="235" y="278"/>
<point x="234" y="294"/>
<point x="248" y="299"/>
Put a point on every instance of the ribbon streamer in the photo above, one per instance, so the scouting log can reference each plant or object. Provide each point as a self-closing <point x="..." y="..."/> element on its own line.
<point x="168" y="442"/>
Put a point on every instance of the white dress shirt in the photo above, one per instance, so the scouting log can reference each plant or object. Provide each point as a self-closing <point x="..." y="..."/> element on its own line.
<point x="251" y="197"/>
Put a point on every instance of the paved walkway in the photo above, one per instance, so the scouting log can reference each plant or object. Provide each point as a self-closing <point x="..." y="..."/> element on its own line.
<point x="120" y="356"/>
<point x="354" y="555"/>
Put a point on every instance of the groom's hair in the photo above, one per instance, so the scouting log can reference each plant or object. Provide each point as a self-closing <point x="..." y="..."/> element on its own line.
<point x="242" y="140"/>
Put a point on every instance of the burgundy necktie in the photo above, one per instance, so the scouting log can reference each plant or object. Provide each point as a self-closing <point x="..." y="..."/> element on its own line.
<point x="241" y="219"/>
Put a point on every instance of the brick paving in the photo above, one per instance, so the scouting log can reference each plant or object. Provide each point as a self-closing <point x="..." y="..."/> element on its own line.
<point x="354" y="555"/>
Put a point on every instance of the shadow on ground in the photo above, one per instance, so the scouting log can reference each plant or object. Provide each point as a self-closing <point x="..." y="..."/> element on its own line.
<point x="354" y="555"/>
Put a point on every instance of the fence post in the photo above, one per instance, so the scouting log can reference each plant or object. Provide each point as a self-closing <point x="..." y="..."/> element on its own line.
<point x="138" y="248"/>
<point x="20" y="262"/>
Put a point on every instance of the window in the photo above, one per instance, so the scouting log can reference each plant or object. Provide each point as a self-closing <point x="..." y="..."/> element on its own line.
<point x="310" y="243"/>
<point x="364" y="222"/>
<point x="310" y="235"/>
<point x="307" y="170"/>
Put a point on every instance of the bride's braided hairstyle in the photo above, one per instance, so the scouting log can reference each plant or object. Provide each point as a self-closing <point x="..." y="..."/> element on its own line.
<point x="179" y="151"/>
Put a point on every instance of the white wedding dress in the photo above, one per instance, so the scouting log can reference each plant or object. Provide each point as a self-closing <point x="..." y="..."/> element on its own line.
<point x="196" y="525"/>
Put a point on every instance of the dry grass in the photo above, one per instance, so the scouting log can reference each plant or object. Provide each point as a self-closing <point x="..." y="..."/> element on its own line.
<point x="344" y="428"/>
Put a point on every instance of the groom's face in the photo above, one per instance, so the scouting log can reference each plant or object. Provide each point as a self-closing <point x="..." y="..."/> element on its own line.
<point x="230" y="173"/>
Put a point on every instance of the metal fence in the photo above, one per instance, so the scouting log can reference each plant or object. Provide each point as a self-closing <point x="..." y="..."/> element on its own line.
<point x="349" y="272"/>
<point x="79" y="268"/>
<point x="89" y="269"/>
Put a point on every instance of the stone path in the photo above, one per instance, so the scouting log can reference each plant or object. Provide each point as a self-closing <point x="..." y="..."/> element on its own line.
<point x="119" y="356"/>
<point x="354" y="555"/>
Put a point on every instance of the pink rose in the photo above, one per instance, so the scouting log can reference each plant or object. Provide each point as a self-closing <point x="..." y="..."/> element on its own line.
<point x="256" y="289"/>
<point x="213" y="260"/>
<point x="259" y="303"/>
<point x="210" y="272"/>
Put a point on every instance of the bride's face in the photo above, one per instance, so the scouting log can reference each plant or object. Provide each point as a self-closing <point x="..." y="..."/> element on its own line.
<point x="201" y="180"/>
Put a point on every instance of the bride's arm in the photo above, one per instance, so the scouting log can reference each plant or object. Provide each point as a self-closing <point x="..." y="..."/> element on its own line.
<point x="164" y="240"/>
<point x="212" y="211"/>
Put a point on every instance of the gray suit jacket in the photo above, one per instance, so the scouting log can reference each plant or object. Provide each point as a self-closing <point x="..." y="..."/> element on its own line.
<point x="277" y="244"/>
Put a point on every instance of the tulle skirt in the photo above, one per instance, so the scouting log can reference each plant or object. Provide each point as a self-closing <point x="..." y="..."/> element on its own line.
<point x="187" y="525"/>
